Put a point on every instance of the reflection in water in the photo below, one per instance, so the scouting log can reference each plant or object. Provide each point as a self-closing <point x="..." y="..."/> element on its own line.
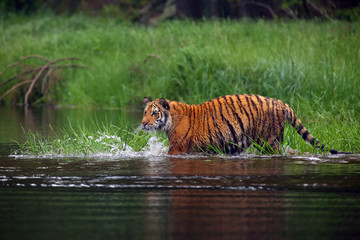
<point x="141" y="197"/>
<point x="176" y="214"/>
<point x="179" y="198"/>
<point x="227" y="214"/>
<point x="14" y="120"/>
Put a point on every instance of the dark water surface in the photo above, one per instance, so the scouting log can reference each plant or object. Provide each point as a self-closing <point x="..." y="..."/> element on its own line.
<point x="113" y="197"/>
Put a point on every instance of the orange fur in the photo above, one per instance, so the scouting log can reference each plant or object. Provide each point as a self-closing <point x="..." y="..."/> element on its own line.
<point x="229" y="123"/>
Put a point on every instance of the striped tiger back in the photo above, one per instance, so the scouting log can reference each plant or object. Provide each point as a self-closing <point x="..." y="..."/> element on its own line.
<point x="229" y="123"/>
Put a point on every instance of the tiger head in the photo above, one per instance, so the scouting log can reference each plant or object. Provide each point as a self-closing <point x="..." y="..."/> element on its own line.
<point x="156" y="115"/>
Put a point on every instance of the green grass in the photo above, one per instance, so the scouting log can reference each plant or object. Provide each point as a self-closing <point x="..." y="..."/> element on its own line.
<point x="107" y="138"/>
<point x="311" y="65"/>
<point x="339" y="132"/>
<point x="195" y="61"/>
<point x="79" y="140"/>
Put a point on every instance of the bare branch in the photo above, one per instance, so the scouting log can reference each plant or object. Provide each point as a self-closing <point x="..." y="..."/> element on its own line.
<point x="45" y="67"/>
<point x="22" y="60"/>
<point x="14" y="87"/>
<point x="38" y="72"/>
<point x="67" y="66"/>
<point x="48" y="74"/>
<point x="18" y="75"/>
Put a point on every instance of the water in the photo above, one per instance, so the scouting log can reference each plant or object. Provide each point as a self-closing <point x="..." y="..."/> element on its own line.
<point x="146" y="196"/>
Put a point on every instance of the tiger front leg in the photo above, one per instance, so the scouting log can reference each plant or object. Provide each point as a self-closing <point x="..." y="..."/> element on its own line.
<point x="176" y="150"/>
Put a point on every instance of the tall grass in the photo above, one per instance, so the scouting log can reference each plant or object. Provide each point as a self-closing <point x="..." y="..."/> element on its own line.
<point x="81" y="140"/>
<point x="314" y="66"/>
<point x="194" y="61"/>
<point x="106" y="138"/>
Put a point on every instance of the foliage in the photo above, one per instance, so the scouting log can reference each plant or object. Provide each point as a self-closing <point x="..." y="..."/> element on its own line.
<point x="194" y="61"/>
<point x="311" y="65"/>
<point x="78" y="140"/>
<point x="107" y="138"/>
<point x="39" y="79"/>
<point x="25" y="6"/>
<point x="127" y="9"/>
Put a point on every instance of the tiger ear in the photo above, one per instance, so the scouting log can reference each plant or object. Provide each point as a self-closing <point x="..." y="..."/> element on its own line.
<point x="147" y="100"/>
<point x="164" y="103"/>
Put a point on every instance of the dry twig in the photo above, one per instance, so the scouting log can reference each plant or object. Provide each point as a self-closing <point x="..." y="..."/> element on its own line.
<point x="41" y="73"/>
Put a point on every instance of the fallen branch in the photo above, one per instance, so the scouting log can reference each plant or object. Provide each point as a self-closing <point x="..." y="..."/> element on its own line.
<point x="18" y="75"/>
<point x="14" y="87"/>
<point x="33" y="83"/>
<point x="48" y="74"/>
<point x="44" y="68"/>
<point x="36" y="74"/>
<point x="22" y="60"/>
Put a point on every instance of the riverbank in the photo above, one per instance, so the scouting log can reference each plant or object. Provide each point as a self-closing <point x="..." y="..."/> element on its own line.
<point x="311" y="65"/>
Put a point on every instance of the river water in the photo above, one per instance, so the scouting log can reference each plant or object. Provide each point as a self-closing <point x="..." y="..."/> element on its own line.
<point x="161" y="197"/>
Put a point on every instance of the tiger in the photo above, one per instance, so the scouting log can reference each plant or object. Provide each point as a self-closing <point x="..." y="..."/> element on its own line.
<point x="230" y="123"/>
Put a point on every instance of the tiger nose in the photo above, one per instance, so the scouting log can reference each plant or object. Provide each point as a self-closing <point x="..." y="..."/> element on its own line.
<point x="144" y="123"/>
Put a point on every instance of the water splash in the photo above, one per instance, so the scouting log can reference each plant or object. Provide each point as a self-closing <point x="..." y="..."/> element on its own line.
<point x="98" y="145"/>
<point x="116" y="145"/>
<point x="155" y="147"/>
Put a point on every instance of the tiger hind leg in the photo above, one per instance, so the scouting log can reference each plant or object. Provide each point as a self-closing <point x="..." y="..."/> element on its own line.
<point x="271" y="146"/>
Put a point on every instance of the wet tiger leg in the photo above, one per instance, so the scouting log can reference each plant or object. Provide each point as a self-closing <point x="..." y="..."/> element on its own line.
<point x="274" y="147"/>
<point x="274" y="141"/>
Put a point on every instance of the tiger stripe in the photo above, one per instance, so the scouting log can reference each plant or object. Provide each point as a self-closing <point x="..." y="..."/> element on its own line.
<point x="231" y="123"/>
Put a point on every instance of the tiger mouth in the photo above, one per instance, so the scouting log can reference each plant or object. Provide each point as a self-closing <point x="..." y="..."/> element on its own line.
<point x="148" y="128"/>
